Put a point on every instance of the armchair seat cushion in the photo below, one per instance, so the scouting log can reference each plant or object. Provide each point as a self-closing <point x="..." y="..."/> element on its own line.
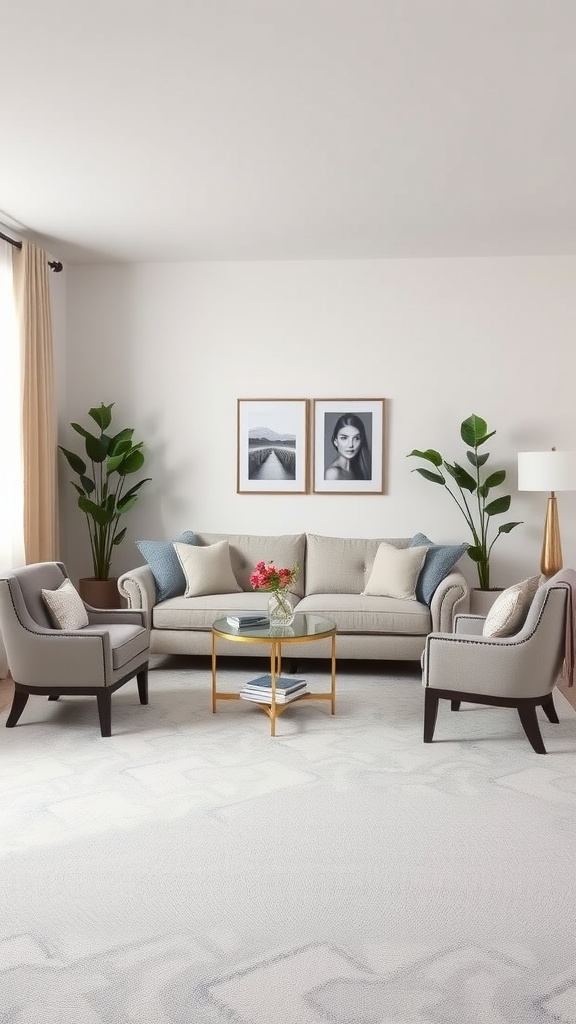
<point x="127" y="641"/>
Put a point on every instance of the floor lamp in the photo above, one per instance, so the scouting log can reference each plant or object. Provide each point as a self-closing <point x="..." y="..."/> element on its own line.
<point x="548" y="471"/>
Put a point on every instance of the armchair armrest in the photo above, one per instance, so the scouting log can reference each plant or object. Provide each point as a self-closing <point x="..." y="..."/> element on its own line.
<point x="137" y="586"/>
<point x="49" y="657"/>
<point x="470" y="624"/>
<point x="451" y="593"/>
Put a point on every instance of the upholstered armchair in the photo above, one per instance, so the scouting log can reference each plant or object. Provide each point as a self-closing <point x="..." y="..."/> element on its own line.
<point x="94" y="660"/>
<point x="518" y="671"/>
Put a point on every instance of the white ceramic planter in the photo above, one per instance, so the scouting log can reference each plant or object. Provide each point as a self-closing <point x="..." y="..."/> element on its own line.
<point x="481" y="601"/>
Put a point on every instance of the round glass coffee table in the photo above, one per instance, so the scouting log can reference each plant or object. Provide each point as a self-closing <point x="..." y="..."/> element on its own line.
<point x="305" y="629"/>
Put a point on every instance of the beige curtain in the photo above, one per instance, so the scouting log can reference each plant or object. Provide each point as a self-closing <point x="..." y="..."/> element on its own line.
<point x="32" y="292"/>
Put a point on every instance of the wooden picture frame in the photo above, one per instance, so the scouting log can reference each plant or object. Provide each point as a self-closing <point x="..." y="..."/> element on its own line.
<point x="355" y="464"/>
<point x="272" y="446"/>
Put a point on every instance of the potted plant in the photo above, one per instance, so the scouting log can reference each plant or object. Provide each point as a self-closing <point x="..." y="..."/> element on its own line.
<point x="471" y="492"/>
<point x="109" y="460"/>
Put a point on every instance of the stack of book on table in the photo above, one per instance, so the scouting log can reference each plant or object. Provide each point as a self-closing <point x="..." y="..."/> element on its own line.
<point x="287" y="689"/>
<point x="245" y="620"/>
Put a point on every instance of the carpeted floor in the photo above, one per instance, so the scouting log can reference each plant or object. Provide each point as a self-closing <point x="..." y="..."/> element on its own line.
<point x="191" y="869"/>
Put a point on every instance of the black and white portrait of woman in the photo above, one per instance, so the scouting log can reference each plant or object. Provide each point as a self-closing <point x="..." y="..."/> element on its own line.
<point x="348" y="446"/>
<point x="348" y="455"/>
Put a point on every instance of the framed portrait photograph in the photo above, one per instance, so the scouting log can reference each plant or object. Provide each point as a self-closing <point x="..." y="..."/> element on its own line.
<point x="348" y="445"/>
<point x="272" y="446"/>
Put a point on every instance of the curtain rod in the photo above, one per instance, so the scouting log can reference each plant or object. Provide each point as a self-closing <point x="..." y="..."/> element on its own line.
<point x="54" y="265"/>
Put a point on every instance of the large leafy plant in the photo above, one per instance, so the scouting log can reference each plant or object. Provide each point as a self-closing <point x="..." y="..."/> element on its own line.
<point x="110" y="459"/>
<point x="471" y="492"/>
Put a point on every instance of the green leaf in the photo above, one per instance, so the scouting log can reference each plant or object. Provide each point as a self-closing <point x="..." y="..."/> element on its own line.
<point x="477" y="553"/>
<point x="100" y="515"/>
<point x="131" y="463"/>
<point x="461" y="476"/>
<point x="81" y="430"/>
<point x="119" y="537"/>
<point x="473" y="430"/>
<point x="495" y="479"/>
<point x="102" y="415"/>
<point x="126" y="503"/>
<point x="430" y="455"/>
<point x="483" y="490"/>
<point x="95" y="448"/>
<point x="136" y="487"/>
<point x="499" y="505"/>
<point x="87" y="484"/>
<point x="508" y="526"/>
<point x="121" y="436"/>
<point x="477" y="460"/>
<point x="74" y="461"/>
<point x="434" y="478"/>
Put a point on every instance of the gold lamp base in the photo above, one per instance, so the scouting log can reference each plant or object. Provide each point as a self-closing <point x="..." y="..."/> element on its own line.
<point x="551" y="560"/>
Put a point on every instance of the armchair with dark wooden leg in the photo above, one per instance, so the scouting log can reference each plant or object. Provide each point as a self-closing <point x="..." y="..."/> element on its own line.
<point x="518" y="671"/>
<point x="94" y="660"/>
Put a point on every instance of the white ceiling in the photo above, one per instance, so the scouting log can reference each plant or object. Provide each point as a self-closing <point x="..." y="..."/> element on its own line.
<point x="289" y="129"/>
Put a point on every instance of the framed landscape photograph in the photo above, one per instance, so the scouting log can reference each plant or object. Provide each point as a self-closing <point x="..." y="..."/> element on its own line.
<point x="348" y="445"/>
<point x="272" y="446"/>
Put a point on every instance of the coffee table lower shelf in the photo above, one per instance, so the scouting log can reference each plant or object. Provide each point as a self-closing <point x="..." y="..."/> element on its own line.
<point x="306" y="628"/>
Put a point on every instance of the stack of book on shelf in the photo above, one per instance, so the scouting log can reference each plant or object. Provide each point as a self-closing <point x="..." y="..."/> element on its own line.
<point x="260" y="689"/>
<point x="245" y="620"/>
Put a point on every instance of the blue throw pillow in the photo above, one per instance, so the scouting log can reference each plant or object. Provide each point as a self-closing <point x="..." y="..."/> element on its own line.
<point x="165" y="565"/>
<point x="440" y="559"/>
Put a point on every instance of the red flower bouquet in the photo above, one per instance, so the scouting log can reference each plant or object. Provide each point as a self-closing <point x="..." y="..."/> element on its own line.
<point x="265" y="576"/>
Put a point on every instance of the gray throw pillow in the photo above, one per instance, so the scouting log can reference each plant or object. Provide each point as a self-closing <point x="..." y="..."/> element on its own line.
<point x="165" y="565"/>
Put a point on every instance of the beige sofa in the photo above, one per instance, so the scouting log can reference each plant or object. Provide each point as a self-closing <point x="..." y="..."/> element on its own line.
<point x="333" y="574"/>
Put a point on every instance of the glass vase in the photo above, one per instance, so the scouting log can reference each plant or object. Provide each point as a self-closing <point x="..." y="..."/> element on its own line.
<point x="280" y="610"/>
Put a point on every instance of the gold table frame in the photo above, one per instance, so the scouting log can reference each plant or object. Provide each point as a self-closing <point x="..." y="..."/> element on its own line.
<point x="276" y="637"/>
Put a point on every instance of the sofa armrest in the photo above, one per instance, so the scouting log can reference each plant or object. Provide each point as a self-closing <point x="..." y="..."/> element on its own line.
<point x="137" y="586"/>
<point x="452" y="593"/>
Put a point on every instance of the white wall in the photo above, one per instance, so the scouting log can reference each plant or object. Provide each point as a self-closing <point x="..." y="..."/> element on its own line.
<point x="175" y="345"/>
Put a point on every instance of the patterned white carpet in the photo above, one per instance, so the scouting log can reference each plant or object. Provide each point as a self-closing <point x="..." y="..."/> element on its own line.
<point x="192" y="870"/>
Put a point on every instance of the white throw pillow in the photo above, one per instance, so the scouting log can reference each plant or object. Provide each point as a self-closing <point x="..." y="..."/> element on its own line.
<point x="395" y="572"/>
<point x="65" y="607"/>
<point x="207" y="570"/>
<point x="508" y="613"/>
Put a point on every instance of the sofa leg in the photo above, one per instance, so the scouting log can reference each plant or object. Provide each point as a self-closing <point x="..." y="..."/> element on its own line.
<point x="18" y="704"/>
<point x="142" y="680"/>
<point x="455" y="705"/>
<point x="430" y="714"/>
<point x="549" y="710"/>
<point x="529" y="721"/>
<point x="54" y="696"/>
<point x="104" y="698"/>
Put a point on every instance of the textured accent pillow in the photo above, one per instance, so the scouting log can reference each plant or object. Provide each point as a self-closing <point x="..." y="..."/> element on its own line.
<point x="508" y="613"/>
<point x="207" y="570"/>
<point x="163" y="562"/>
<point x="65" y="607"/>
<point x="440" y="559"/>
<point x="395" y="572"/>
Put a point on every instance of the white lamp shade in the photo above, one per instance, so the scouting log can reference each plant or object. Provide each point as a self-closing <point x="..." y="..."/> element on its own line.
<point x="547" y="471"/>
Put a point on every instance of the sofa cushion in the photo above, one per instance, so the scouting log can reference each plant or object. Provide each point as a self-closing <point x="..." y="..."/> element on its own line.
<point x="359" y="613"/>
<point x="395" y="572"/>
<point x="65" y="607"/>
<point x="440" y="559"/>
<point x="341" y="565"/>
<point x="164" y="563"/>
<point x="207" y="570"/>
<point x="247" y="549"/>
<point x="510" y="609"/>
<point x="201" y="612"/>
